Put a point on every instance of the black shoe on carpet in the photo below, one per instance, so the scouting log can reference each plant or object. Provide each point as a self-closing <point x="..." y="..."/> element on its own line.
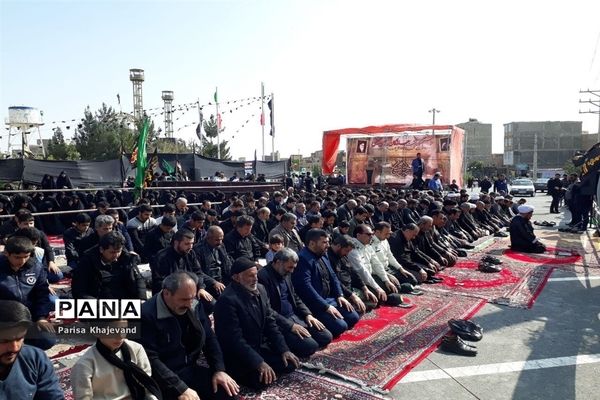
<point x="491" y="260"/>
<point x="454" y="344"/>
<point x="489" y="268"/>
<point x="466" y="330"/>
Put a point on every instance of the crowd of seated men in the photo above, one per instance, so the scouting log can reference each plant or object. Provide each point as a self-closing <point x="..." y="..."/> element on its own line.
<point x="331" y="257"/>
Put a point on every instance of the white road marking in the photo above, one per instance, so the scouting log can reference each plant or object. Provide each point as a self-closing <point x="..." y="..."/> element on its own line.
<point x="499" y="368"/>
<point x="574" y="278"/>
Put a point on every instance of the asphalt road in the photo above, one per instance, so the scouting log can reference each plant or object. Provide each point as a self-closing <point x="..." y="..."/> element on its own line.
<point x="551" y="351"/>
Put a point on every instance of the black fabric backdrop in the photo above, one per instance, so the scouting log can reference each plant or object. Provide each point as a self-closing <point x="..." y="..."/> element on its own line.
<point x="113" y="172"/>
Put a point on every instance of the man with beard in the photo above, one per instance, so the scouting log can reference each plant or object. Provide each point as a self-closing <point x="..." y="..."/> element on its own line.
<point x="303" y="333"/>
<point x="410" y="215"/>
<point x="25" y="371"/>
<point x="240" y="242"/>
<point x="421" y="266"/>
<point x="522" y="237"/>
<point x="254" y="349"/>
<point x="139" y="227"/>
<point x="175" y="333"/>
<point x="160" y="236"/>
<point x="180" y="257"/>
<point x="354" y="288"/>
<point x="214" y="260"/>
<point x="319" y="288"/>
<point x="287" y="230"/>
<point x="108" y="271"/>
<point x="426" y="243"/>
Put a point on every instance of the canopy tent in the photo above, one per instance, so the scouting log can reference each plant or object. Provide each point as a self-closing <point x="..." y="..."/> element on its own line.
<point x="454" y="148"/>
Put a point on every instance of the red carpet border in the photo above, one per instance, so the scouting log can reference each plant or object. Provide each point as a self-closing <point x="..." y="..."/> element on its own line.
<point x="388" y="342"/>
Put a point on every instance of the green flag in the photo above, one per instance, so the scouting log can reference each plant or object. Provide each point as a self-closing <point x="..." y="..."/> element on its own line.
<point x="165" y="166"/>
<point x="142" y="156"/>
<point x="216" y="98"/>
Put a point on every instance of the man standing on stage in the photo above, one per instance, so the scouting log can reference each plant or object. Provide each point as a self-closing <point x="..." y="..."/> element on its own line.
<point x="418" y="167"/>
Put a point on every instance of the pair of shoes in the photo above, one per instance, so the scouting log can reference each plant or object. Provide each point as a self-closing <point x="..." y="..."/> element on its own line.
<point x="489" y="268"/>
<point x="491" y="260"/>
<point x="454" y="344"/>
<point x="461" y="253"/>
<point x="466" y="330"/>
<point x="468" y="246"/>
<point x="433" y="280"/>
<point x="500" y="234"/>
<point x="416" y="292"/>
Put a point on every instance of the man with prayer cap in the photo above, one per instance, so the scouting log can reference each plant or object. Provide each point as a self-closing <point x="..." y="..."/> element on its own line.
<point x="253" y="346"/>
<point x="522" y="237"/>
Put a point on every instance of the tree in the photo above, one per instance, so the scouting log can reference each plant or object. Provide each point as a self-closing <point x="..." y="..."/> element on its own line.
<point x="177" y="146"/>
<point x="570" y="168"/>
<point x="475" y="168"/>
<point x="107" y="134"/>
<point x="58" y="149"/>
<point x="209" y="145"/>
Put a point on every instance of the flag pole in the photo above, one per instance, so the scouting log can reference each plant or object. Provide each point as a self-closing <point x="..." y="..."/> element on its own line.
<point x="218" y="124"/>
<point x="262" y="117"/>
<point x="272" y="126"/>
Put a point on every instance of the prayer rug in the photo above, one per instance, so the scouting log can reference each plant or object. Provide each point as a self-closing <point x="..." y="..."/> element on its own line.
<point x="297" y="385"/>
<point x="517" y="285"/>
<point x="56" y="241"/>
<point x="389" y="341"/>
<point x="308" y="386"/>
<point x="62" y="363"/>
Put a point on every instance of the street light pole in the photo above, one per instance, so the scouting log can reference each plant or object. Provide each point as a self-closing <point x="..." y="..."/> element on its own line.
<point x="434" y="111"/>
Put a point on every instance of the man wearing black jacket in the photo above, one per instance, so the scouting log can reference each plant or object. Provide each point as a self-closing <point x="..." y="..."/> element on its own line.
<point x="411" y="258"/>
<point x="107" y="271"/>
<point x="160" y="236"/>
<point x="555" y="190"/>
<point x="303" y="333"/>
<point x="24" y="219"/>
<point x="253" y="347"/>
<point x="240" y="242"/>
<point x="175" y="332"/>
<point x="337" y="253"/>
<point x="214" y="260"/>
<point x="180" y="257"/>
<point x="74" y="235"/>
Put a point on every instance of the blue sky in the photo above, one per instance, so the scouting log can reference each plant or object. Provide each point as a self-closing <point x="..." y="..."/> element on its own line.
<point x="331" y="64"/>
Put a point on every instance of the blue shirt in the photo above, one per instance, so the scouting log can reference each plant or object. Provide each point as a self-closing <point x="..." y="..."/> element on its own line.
<point x="32" y="376"/>
<point x="436" y="185"/>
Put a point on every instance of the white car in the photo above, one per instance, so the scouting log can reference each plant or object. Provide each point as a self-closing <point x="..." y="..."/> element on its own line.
<point x="522" y="187"/>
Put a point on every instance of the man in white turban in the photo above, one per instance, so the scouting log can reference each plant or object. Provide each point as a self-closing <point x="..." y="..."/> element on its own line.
<point x="522" y="237"/>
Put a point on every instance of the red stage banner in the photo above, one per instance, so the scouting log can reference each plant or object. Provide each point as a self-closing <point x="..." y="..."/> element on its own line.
<point x="377" y="155"/>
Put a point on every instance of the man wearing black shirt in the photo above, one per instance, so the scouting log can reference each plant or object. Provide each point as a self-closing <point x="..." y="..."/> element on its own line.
<point x="303" y="333"/>
<point x="107" y="271"/>
<point x="175" y="333"/>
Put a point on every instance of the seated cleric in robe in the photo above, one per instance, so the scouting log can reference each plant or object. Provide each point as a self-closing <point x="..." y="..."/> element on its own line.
<point x="522" y="237"/>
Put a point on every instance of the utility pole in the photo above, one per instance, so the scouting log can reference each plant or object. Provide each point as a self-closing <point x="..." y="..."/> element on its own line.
<point x="262" y="117"/>
<point x="595" y="103"/>
<point x="535" y="157"/>
<point x="434" y="111"/>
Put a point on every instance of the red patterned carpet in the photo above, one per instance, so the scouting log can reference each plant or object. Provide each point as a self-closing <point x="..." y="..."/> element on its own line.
<point x="308" y="386"/>
<point x="517" y="285"/>
<point x="387" y="343"/>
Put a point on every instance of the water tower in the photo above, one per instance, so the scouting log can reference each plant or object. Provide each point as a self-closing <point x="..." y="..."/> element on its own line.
<point x="22" y="121"/>
<point x="136" y="76"/>
<point x="167" y="96"/>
